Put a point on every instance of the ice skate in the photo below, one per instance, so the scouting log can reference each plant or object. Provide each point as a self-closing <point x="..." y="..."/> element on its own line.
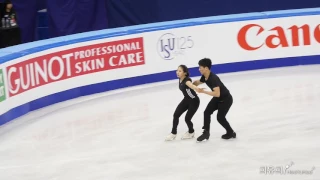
<point x="204" y="137"/>
<point x="171" y="137"/>
<point x="229" y="136"/>
<point x="187" y="135"/>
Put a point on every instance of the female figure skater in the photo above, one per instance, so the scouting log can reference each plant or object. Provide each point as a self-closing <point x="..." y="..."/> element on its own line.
<point x="189" y="103"/>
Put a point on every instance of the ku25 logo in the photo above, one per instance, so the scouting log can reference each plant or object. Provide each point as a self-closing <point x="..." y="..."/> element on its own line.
<point x="169" y="46"/>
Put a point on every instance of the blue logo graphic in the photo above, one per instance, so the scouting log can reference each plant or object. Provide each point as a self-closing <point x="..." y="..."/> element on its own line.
<point x="169" y="46"/>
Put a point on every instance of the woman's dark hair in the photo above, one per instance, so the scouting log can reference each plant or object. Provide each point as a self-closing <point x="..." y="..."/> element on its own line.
<point x="185" y="69"/>
<point x="205" y="62"/>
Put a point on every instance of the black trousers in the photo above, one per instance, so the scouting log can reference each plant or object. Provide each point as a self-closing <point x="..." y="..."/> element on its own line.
<point x="192" y="106"/>
<point x="223" y="107"/>
<point x="9" y="37"/>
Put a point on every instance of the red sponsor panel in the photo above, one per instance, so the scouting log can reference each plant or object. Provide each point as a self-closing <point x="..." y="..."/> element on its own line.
<point x="278" y="36"/>
<point x="74" y="62"/>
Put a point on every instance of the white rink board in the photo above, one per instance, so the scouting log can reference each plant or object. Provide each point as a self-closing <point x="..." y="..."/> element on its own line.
<point x="216" y="41"/>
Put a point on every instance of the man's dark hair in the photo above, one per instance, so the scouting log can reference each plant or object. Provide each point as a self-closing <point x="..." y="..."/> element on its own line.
<point x="205" y="62"/>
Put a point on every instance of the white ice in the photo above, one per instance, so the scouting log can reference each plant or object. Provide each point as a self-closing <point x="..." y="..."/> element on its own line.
<point x="120" y="134"/>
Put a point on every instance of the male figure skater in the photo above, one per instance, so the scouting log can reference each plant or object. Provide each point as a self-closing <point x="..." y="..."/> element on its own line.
<point x="221" y="100"/>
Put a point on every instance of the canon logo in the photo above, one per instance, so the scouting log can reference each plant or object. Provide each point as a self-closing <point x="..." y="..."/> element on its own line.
<point x="278" y="36"/>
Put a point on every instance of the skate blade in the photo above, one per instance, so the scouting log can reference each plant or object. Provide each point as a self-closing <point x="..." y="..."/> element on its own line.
<point x="229" y="138"/>
<point x="186" y="138"/>
<point x="203" y="141"/>
<point x="170" y="139"/>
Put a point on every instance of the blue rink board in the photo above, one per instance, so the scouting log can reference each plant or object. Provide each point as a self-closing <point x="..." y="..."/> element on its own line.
<point x="10" y="53"/>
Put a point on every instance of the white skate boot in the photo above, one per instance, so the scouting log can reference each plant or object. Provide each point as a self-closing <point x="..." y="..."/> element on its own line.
<point x="188" y="135"/>
<point x="171" y="137"/>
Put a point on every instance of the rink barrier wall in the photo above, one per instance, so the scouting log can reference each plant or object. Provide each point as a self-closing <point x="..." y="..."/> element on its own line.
<point x="19" y="54"/>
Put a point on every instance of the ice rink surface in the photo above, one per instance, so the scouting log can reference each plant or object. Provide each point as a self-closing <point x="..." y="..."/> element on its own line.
<point x="120" y="135"/>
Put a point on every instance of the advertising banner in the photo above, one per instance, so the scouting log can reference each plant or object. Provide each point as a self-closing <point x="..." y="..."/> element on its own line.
<point x="70" y="63"/>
